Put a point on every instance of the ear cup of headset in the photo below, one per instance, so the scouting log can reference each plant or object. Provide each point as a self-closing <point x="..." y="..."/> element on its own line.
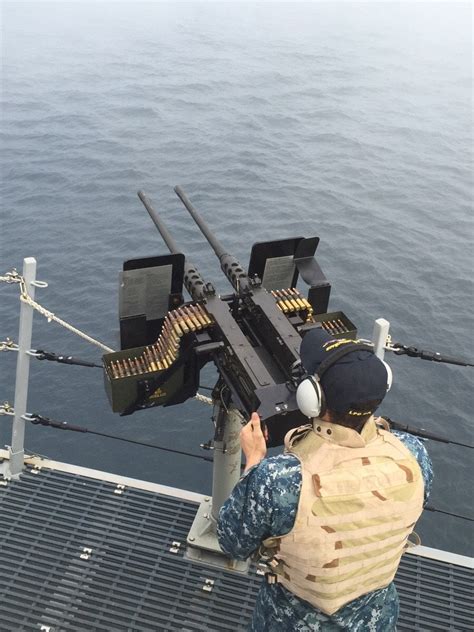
<point x="309" y="397"/>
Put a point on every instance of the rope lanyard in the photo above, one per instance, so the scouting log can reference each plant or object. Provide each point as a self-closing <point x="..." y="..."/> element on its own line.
<point x="15" y="277"/>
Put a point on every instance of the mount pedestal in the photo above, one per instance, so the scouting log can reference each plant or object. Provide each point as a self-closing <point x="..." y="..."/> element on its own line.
<point x="202" y="544"/>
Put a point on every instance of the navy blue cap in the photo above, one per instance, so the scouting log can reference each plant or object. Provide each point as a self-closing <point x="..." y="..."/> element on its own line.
<point x="355" y="379"/>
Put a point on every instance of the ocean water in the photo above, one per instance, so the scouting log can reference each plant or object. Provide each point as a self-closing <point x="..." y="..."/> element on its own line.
<point x="348" y="121"/>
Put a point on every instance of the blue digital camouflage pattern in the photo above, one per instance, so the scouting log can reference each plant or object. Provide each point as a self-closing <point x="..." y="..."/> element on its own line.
<point x="263" y="504"/>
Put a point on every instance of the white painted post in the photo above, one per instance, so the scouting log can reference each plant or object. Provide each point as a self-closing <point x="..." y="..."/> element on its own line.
<point x="379" y="337"/>
<point x="16" y="451"/>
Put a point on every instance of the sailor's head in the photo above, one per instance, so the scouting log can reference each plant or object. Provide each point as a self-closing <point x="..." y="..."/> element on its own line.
<point x="352" y="384"/>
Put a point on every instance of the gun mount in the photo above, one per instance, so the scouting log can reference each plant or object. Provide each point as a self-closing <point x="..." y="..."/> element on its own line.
<point x="252" y="335"/>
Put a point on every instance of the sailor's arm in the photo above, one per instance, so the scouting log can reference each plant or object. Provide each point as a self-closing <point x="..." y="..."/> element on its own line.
<point x="262" y="504"/>
<point x="417" y="448"/>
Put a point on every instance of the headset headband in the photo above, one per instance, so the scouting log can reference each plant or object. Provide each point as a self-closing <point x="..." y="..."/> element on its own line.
<point x="340" y="353"/>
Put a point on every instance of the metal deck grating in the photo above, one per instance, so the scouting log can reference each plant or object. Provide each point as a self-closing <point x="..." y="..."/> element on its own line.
<point x="77" y="557"/>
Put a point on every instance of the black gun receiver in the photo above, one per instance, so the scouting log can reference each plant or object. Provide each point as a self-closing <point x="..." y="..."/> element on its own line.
<point x="252" y="335"/>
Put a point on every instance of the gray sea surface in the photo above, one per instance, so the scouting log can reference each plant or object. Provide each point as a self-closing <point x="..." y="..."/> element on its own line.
<point x="348" y="121"/>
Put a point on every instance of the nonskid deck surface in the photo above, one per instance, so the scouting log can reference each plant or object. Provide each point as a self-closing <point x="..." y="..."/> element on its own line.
<point x="80" y="554"/>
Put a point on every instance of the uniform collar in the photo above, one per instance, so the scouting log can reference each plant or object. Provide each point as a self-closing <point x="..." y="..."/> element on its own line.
<point x="334" y="433"/>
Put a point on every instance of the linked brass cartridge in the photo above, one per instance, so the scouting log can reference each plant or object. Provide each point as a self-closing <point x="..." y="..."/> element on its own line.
<point x="157" y="355"/>
<point x="175" y="324"/>
<point x="191" y="311"/>
<point x="200" y="315"/>
<point x="297" y="297"/>
<point x="205" y="315"/>
<point x="151" y="359"/>
<point x="114" y="369"/>
<point x="286" y="302"/>
<point x="279" y="302"/>
<point x="181" y="321"/>
<point x="291" y="300"/>
<point x="342" y="326"/>
<point x="188" y="320"/>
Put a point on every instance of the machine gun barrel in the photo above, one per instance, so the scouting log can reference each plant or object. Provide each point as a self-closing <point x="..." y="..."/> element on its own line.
<point x="229" y="264"/>
<point x="193" y="281"/>
<point x="169" y="241"/>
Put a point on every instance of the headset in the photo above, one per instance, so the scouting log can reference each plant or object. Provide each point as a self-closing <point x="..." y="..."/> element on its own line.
<point x="310" y="395"/>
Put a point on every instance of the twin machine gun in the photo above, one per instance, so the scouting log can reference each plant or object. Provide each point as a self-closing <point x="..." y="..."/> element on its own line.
<point x="252" y="336"/>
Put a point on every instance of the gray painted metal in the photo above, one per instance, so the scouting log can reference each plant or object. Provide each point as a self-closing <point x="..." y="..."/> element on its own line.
<point x="22" y="370"/>
<point x="227" y="459"/>
<point x="79" y="554"/>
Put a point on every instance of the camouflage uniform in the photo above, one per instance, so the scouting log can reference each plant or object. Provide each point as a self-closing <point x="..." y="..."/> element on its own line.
<point x="263" y="504"/>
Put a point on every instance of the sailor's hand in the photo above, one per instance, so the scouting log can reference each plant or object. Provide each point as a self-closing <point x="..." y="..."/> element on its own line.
<point x="253" y="442"/>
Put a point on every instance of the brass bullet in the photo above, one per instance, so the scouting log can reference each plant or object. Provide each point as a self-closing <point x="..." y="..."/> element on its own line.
<point x="286" y="303"/>
<point x="181" y="322"/>
<point x="172" y="342"/>
<point x="199" y="315"/>
<point x="156" y="353"/>
<point x="151" y="359"/>
<point x="288" y="297"/>
<point x="308" y="306"/>
<point x="203" y="312"/>
<point x="120" y="370"/>
<point x="342" y="325"/>
<point x="175" y="324"/>
<point x="297" y="297"/>
<point x="205" y="315"/>
<point x="156" y="358"/>
<point x="279" y="302"/>
<point x="114" y="369"/>
<point x="167" y="351"/>
<point x="187" y="320"/>
<point x="160" y="352"/>
<point x="168" y="328"/>
<point x="125" y="367"/>
<point x="192" y="315"/>
<point x="166" y="344"/>
<point x="163" y="354"/>
<point x="338" y="327"/>
<point x="146" y="361"/>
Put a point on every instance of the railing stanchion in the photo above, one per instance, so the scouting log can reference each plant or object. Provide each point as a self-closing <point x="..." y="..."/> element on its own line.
<point x="16" y="451"/>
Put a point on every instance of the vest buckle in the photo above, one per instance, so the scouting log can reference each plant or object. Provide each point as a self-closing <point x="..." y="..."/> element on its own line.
<point x="272" y="578"/>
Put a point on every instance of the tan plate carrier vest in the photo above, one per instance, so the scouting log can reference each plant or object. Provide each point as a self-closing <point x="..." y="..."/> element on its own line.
<point x="361" y="496"/>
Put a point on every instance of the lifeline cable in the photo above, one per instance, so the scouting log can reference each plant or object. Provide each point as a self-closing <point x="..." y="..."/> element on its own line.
<point x="36" y="419"/>
<point x="424" y="434"/>
<point x="40" y="354"/>
<point x="447" y="513"/>
<point x="64" y="425"/>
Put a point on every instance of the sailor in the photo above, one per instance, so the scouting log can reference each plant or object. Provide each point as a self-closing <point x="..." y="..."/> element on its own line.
<point x="332" y="515"/>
